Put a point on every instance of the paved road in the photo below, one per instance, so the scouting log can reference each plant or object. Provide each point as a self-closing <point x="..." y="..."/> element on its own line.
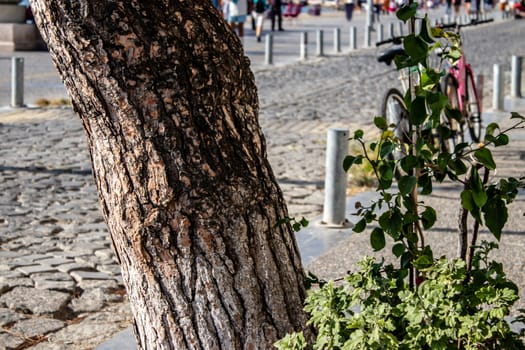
<point x="59" y="285"/>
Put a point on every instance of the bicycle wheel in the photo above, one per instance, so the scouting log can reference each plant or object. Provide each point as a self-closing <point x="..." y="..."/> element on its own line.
<point x="472" y="108"/>
<point x="451" y="131"/>
<point x="395" y="112"/>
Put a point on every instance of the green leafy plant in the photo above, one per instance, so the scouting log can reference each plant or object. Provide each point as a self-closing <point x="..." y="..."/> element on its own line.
<point x="423" y="302"/>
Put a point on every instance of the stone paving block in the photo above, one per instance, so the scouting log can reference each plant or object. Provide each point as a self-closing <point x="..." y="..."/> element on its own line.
<point x="90" y="275"/>
<point x="28" y="270"/>
<point x="112" y="269"/>
<point x="11" y="282"/>
<point x="33" y="327"/>
<point x="72" y="266"/>
<point x="106" y="284"/>
<point x="55" y="261"/>
<point x="66" y="286"/>
<point x="104" y="253"/>
<point x="8" y="255"/>
<point x="9" y="341"/>
<point x="9" y="317"/>
<point x="35" y="301"/>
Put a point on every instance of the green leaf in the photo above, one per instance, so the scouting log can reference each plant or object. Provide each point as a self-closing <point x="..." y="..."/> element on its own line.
<point x="377" y="239"/>
<point x="501" y="140"/>
<point x="381" y="123"/>
<point x="458" y="166"/>
<point x="428" y="217"/>
<point x="484" y="156"/>
<point x="489" y="130"/>
<point x="416" y="48"/>
<point x="351" y="160"/>
<point x="386" y="148"/>
<point x="408" y="163"/>
<point x="359" y="226"/>
<point x="398" y="249"/>
<point x="425" y="182"/>
<point x="467" y="201"/>
<point x="478" y="193"/>
<point x="391" y="221"/>
<point x="418" y="111"/>
<point x="426" y="31"/>
<point x="515" y="115"/>
<point x="358" y="134"/>
<point x="496" y="215"/>
<point x="406" y="184"/>
<point x="423" y="261"/>
<point x="406" y="12"/>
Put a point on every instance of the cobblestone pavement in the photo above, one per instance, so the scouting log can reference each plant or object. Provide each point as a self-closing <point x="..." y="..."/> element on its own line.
<point x="60" y="287"/>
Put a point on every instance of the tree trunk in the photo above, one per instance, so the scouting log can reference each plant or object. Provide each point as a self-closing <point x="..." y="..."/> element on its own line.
<point x="169" y="105"/>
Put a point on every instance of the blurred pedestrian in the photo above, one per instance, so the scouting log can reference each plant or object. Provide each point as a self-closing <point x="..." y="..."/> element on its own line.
<point x="236" y="16"/>
<point x="349" y="9"/>
<point x="258" y="14"/>
<point x="276" y="11"/>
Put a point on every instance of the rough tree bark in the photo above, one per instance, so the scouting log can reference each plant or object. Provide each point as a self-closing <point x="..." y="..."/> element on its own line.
<point x="170" y="107"/>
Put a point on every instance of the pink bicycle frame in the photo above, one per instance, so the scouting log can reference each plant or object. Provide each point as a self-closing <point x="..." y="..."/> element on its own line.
<point x="459" y="71"/>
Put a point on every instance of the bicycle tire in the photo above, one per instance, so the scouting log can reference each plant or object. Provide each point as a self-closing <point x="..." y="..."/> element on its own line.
<point x="472" y="108"/>
<point x="449" y="139"/>
<point x="394" y="110"/>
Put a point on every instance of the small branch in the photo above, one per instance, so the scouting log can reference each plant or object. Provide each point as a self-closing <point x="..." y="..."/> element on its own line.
<point x="475" y="229"/>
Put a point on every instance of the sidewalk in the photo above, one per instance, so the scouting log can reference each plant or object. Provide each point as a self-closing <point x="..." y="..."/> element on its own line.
<point x="60" y="287"/>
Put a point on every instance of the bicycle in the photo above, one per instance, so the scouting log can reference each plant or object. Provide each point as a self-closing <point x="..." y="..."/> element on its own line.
<point x="460" y="87"/>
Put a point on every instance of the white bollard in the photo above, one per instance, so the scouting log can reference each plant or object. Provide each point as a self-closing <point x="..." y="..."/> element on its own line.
<point x="368" y="34"/>
<point x="17" y="82"/>
<point x="391" y="30"/>
<point x="497" y="98"/>
<point x="353" y="38"/>
<point x="400" y="24"/>
<point x="380" y="32"/>
<point x="320" y="43"/>
<point x="515" y="86"/>
<point x="336" y="179"/>
<point x="337" y="40"/>
<point x="304" y="46"/>
<point x="268" y="52"/>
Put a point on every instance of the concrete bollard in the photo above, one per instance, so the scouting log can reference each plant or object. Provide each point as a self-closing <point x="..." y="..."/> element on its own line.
<point x="497" y="98"/>
<point x="391" y="30"/>
<point x="304" y="46"/>
<point x="515" y="86"/>
<point x="368" y="34"/>
<point x="380" y="32"/>
<point x="320" y="42"/>
<point x="400" y="24"/>
<point x="353" y="38"/>
<point x="337" y="40"/>
<point x="268" y="49"/>
<point x="336" y="179"/>
<point x="17" y="82"/>
<point x="480" y="85"/>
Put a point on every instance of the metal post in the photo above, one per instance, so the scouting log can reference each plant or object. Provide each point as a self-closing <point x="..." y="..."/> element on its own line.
<point x="353" y="38"/>
<point x="480" y="85"/>
<point x="337" y="40"/>
<point x="320" y="43"/>
<point x="391" y="30"/>
<point x="400" y="24"/>
<point x="515" y="87"/>
<point x="17" y="82"/>
<point x="335" y="181"/>
<point x="497" y="98"/>
<point x="368" y="35"/>
<point x="304" y="46"/>
<point x="380" y="32"/>
<point x="268" y="52"/>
